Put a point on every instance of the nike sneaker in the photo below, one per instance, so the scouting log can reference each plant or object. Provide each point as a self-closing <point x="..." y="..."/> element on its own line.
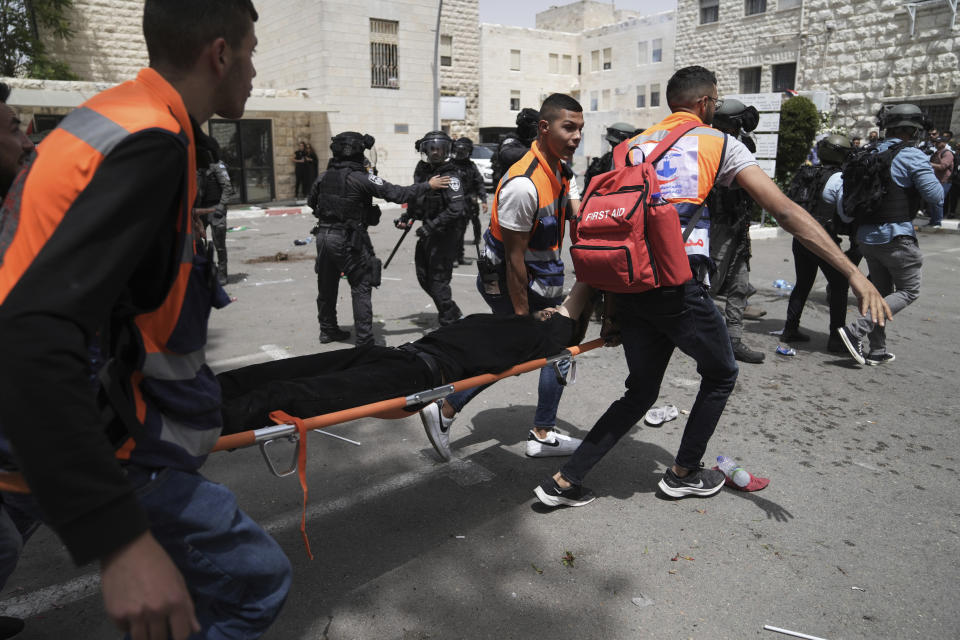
<point x="702" y="482"/>
<point x="555" y="444"/>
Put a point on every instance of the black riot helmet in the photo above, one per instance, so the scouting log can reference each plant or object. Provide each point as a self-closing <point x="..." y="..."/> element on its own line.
<point x="902" y="116"/>
<point x="528" y="124"/>
<point x="462" y="148"/>
<point x="350" y="145"/>
<point x="434" y="147"/>
<point x="618" y="132"/>
<point x="834" y="150"/>
<point x="734" y="117"/>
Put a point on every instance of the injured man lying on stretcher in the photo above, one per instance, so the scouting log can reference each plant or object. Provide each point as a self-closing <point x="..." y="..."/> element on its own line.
<point x="322" y="383"/>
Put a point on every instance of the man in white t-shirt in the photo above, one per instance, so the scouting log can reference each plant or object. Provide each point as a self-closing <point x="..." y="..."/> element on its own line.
<point x="521" y="271"/>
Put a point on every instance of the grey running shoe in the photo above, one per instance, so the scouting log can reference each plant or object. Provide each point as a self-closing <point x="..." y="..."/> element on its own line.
<point x="702" y="482"/>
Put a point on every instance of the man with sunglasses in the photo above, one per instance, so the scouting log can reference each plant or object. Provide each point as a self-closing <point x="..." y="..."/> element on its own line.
<point x="652" y="324"/>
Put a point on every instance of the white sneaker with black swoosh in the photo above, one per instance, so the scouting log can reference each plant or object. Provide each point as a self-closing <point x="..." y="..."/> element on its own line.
<point x="702" y="482"/>
<point x="555" y="444"/>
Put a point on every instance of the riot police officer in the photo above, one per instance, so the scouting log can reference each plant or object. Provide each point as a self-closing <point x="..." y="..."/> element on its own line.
<point x="440" y="212"/>
<point x="515" y="144"/>
<point x="730" y="232"/>
<point x="472" y="183"/>
<point x="342" y="201"/>
<point x="616" y="133"/>
<point x="214" y="190"/>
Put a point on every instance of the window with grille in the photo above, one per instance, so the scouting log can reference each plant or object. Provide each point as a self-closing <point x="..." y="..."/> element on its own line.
<point x="607" y="58"/>
<point x="514" y="101"/>
<point x="384" y="41"/>
<point x="514" y="59"/>
<point x="554" y="63"/>
<point x="567" y="65"/>
<point x="655" y="95"/>
<point x="641" y="96"/>
<point x="641" y="53"/>
<point x="710" y="11"/>
<point x="446" y="51"/>
<point x="784" y="76"/>
<point x="753" y="7"/>
<point x="939" y="112"/>
<point x="750" y="80"/>
<point x="657" y="55"/>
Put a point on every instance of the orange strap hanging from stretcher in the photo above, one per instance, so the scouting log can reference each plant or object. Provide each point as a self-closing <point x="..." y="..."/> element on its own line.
<point x="282" y="417"/>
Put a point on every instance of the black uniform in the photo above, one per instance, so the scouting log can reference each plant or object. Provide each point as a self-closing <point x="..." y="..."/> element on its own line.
<point x="598" y="165"/>
<point x="509" y="151"/>
<point x="214" y="189"/>
<point x="472" y="183"/>
<point x="342" y="201"/>
<point x="441" y="212"/>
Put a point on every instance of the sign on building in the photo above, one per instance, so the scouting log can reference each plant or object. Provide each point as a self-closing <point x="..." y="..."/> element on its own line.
<point x="453" y="108"/>
<point x="767" y="131"/>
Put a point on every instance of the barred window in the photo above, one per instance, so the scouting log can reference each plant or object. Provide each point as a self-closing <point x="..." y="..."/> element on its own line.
<point x="655" y="95"/>
<point x="753" y="7"/>
<point x="514" y="101"/>
<point x="384" y="41"/>
<point x="709" y="11"/>
<point x="641" y="96"/>
<point x="657" y="50"/>
<point x="750" y="80"/>
<point x="446" y="51"/>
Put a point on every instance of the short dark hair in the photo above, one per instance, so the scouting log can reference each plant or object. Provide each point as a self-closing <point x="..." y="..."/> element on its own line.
<point x="556" y="103"/>
<point x="688" y="85"/>
<point x="4" y="92"/>
<point x="177" y="30"/>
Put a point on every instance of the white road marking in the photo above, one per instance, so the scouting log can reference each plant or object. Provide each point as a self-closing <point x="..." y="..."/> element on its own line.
<point x="391" y="279"/>
<point x="260" y="284"/>
<point x="463" y="472"/>
<point x="270" y="350"/>
<point x="865" y="465"/>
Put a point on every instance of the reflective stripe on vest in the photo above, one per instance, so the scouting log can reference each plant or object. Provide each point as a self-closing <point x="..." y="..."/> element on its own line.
<point x="687" y="172"/>
<point x="543" y="253"/>
<point x="176" y="397"/>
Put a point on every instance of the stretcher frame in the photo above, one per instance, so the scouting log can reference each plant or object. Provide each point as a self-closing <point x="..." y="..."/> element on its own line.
<point x="391" y="409"/>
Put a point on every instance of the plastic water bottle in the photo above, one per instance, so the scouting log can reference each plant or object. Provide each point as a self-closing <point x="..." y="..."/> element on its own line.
<point x="785" y="350"/>
<point x="783" y="285"/>
<point x="733" y="471"/>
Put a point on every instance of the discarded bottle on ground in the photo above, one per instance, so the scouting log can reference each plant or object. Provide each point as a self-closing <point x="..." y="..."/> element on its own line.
<point x="782" y="284"/>
<point x="733" y="471"/>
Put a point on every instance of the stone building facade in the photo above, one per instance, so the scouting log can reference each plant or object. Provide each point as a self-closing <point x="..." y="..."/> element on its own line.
<point x="315" y="64"/>
<point x="616" y="63"/>
<point x="864" y="53"/>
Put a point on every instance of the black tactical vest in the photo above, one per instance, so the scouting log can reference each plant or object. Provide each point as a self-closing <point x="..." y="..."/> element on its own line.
<point x="334" y="202"/>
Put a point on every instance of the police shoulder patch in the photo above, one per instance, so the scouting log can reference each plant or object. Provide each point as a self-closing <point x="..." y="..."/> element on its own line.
<point x="454" y="183"/>
<point x="375" y="179"/>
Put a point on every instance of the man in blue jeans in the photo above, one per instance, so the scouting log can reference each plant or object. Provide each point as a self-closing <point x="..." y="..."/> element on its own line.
<point x="654" y="323"/>
<point x="114" y="465"/>
<point x="887" y="237"/>
<point x="522" y="271"/>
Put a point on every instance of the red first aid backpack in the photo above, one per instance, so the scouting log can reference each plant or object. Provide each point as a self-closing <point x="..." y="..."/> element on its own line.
<point x="626" y="238"/>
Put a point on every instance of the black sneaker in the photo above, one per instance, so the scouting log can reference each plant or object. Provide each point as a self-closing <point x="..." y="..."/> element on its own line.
<point x="743" y="353"/>
<point x="702" y="482"/>
<point x="334" y="335"/>
<point x="853" y="345"/>
<point x="883" y="358"/>
<point x="835" y="344"/>
<point x="550" y="494"/>
<point x="794" y="335"/>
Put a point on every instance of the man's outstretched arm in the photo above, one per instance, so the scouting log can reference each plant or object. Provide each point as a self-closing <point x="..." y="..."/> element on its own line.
<point x="808" y="231"/>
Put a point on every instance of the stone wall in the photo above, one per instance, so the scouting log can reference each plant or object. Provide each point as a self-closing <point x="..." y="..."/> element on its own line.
<point x="461" y="20"/>
<point x="580" y="16"/>
<point x="107" y="45"/>
<point x="860" y="51"/>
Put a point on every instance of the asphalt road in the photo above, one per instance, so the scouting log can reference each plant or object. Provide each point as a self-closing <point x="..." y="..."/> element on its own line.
<point x="856" y="536"/>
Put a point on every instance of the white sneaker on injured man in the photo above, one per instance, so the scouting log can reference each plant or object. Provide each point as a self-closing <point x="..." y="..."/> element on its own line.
<point x="555" y="444"/>
<point x="437" y="428"/>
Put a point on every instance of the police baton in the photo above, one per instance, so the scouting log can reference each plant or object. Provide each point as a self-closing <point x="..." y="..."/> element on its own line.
<point x="397" y="246"/>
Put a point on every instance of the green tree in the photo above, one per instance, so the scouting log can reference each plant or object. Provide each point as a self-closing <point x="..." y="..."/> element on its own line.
<point x="799" y="122"/>
<point x="22" y="50"/>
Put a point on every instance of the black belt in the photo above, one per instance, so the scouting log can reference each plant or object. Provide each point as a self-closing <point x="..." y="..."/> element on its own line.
<point x="436" y="371"/>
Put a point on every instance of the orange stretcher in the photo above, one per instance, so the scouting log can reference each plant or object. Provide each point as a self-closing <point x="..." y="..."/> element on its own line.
<point x="294" y="429"/>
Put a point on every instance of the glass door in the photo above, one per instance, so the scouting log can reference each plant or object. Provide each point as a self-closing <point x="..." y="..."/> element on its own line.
<point x="246" y="147"/>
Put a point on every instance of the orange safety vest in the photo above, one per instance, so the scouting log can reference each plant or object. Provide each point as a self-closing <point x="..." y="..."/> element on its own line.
<point x="542" y="256"/>
<point x="172" y="398"/>
<point x="687" y="172"/>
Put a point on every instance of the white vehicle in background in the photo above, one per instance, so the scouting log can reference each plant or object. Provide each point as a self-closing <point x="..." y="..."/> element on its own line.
<point x="481" y="157"/>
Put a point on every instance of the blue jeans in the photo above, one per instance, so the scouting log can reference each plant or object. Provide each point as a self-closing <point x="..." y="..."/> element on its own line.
<point x="236" y="573"/>
<point x="652" y="324"/>
<point x="549" y="389"/>
<point x="19" y="518"/>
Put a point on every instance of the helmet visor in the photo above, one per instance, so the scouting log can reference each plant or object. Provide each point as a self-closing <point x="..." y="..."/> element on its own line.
<point x="435" y="151"/>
